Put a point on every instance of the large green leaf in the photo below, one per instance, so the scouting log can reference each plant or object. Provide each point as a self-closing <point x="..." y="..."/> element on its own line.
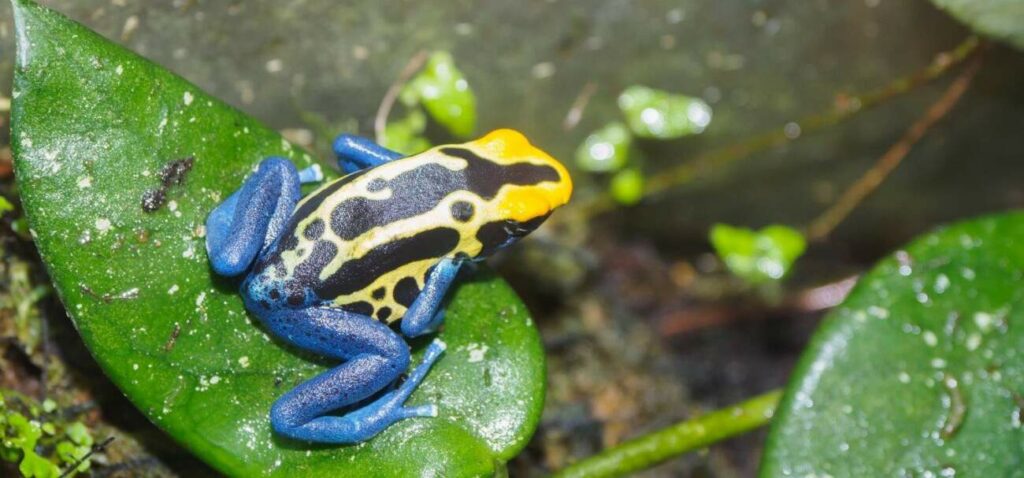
<point x="1002" y="19"/>
<point x="921" y="371"/>
<point x="95" y="128"/>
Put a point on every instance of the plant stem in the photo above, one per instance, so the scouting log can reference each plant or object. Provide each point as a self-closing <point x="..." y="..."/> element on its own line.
<point x="845" y="107"/>
<point x="821" y="227"/>
<point x="648" y="450"/>
<point x="380" y="120"/>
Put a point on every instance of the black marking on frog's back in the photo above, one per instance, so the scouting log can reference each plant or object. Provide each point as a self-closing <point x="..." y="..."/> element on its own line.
<point x="357" y="274"/>
<point x="422" y="188"/>
<point x="314" y="229"/>
<point x="462" y="211"/>
<point x="289" y="241"/>
<point x="406" y="291"/>
<point x="361" y="308"/>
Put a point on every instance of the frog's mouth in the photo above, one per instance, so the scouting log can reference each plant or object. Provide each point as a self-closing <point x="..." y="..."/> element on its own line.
<point x="518" y="229"/>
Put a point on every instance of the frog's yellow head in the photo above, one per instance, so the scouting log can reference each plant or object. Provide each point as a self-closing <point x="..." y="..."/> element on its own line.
<point x="515" y="186"/>
<point x="534" y="182"/>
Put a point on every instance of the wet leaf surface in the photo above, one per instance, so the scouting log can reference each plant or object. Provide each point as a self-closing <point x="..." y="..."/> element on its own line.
<point x="96" y="130"/>
<point x="920" y="372"/>
<point x="1001" y="19"/>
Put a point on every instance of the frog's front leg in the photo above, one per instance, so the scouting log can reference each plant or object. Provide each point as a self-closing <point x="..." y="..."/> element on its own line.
<point x="249" y="220"/>
<point x="374" y="357"/>
<point x="425" y="314"/>
<point x="356" y="152"/>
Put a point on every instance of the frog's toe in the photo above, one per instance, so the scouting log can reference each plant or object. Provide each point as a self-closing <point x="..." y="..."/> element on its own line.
<point x="312" y="174"/>
<point x="428" y="411"/>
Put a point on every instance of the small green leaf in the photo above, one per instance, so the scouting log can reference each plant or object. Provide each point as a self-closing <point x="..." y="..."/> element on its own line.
<point x="176" y="338"/>
<point x="921" y="371"/>
<point x="758" y="256"/>
<point x="445" y="93"/>
<point x="1001" y="19"/>
<point x="79" y="434"/>
<point x="659" y="114"/>
<point x="605" y="150"/>
<point x="35" y="466"/>
<point x="406" y="135"/>
<point x="5" y="205"/>
<point x="627" y="186"/>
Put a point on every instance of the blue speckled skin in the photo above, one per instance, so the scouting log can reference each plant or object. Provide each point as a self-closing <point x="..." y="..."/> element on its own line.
<point x="241" y="231"/>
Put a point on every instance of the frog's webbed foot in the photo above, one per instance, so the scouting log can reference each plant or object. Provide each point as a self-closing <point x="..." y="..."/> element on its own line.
<point x="390" y="407"/>
<point x="375" y="357"/>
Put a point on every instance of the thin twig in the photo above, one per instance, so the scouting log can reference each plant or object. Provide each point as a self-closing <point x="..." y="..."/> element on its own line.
<point x="807" y="301"/>
<point x="844" y="108"/>
<point x="44" y="376"/>
<point x="380" y="121"/>
<point x="824" y="224"/>
<point x="823" y="297"/>
<point x="572" y="118"/>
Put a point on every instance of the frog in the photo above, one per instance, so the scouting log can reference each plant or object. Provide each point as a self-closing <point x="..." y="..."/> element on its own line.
<point x="363" y="263"/>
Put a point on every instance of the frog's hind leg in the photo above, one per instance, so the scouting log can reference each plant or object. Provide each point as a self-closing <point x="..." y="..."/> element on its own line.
<point x="251" y="218"/>
<point x="374" y="358"/>
<point x="356" y="152"/>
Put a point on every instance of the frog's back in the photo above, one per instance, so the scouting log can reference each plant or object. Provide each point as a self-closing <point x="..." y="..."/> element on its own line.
<point x="366" y="242"/>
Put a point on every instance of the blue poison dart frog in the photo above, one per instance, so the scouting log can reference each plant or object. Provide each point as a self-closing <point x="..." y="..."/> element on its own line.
<point x="333" y="272"/>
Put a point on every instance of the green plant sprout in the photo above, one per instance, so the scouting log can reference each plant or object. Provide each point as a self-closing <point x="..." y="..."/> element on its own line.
<point x="649" y="114"/>
<point x="605" y="150"/>
<point x="441" y="90"/>
<point x="39" y="439"/>
<point x="758" y="256"/>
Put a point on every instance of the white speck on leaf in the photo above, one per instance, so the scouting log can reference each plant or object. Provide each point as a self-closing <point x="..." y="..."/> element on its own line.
<point x="188" y="98"/>
<point x="173" y="289"/>
<point x="477" y="352"/>
<point x="103" y="224"/>
<point x="973" y="341"/>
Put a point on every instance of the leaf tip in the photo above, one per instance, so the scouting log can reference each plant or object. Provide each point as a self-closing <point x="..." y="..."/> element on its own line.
<point x="22" y="9"/>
